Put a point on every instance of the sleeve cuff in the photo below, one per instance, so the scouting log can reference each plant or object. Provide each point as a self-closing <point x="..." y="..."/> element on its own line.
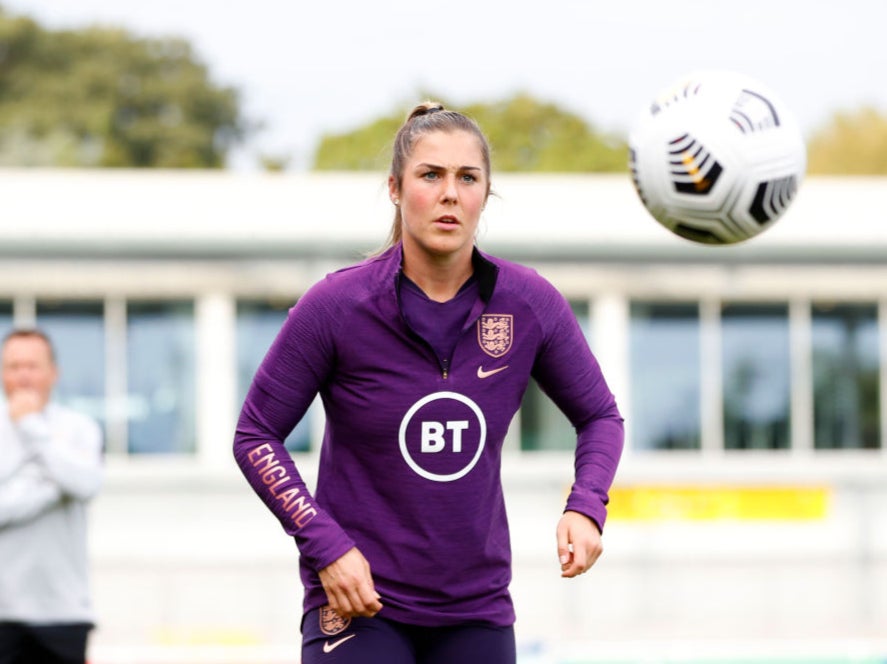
<point x="323" y="542"/>
<point x="589" y="503"/>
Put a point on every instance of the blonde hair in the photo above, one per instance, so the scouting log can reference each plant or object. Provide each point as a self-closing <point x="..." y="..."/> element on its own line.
<point x="423" y="119"/>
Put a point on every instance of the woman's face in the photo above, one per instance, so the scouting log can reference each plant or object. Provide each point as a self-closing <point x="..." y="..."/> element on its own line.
<point x="442" y="193"/>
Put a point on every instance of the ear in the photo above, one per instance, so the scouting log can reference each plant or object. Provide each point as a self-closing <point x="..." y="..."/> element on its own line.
<point x="393" y="189"/>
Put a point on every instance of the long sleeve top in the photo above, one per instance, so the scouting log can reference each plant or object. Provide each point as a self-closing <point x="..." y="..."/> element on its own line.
<point x="50" y="467"/>
<point x="409" y="468"/>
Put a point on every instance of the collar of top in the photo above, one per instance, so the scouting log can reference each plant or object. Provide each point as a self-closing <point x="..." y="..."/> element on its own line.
<point x="485" y="270"/>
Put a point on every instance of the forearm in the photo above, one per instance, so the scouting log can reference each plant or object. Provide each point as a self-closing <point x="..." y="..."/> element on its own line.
<point x="599" y="428"/>
<point x="598" y="449"/>
<point x="80" y="479"/>
<point x="270" y="470"/>
<point x="11" y="463"/>
<point x="26" y="496"/>
<point x="71" y="461"/>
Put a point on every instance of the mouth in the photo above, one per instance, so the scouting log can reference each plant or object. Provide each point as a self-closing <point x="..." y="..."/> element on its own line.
<point x="447" y="220"/>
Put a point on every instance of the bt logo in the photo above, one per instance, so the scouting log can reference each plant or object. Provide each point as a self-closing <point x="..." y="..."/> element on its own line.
<point x="442" y="436"/>
<point x="433" y="439"/>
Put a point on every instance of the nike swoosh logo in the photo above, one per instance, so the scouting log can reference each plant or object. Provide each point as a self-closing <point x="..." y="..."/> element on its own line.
<point x="329" y="647"/>
<point x="486" y="374"/>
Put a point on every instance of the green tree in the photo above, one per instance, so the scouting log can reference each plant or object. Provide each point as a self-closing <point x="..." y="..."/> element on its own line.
<point x="101" y="97"/>
<point x="852" y="143"/>
<point x="367" y="148"/>
<point x="530" y="135"/>
<point x="525" y="135"/>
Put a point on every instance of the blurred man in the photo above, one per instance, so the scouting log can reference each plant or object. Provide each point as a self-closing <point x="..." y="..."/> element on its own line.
<point x="50" y="466"/>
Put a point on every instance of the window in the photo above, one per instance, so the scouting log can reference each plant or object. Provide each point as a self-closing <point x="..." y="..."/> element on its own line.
<point x="258" y="323"/>
<point x="77" y="331"/>
<point x="5" y="318"/>
<point x="755" y="360"/>
<point x="543" y="425"/>
<point x="160" y="377"/>
<point x="846" y="363"/>
<point x="5" y="325"/>
<point x="665" y="376"/>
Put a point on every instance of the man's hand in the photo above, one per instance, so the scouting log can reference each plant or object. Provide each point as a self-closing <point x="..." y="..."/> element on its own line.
<point x="24" y="402"/>
<point x="578" y="544"/>
<point x="349" y="586"/>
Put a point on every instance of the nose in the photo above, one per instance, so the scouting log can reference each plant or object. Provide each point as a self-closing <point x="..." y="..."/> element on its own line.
<point x="21" y="377"/>
<point x="450" y="193"/>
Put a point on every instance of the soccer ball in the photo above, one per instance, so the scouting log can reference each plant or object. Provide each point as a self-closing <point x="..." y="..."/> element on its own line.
<point x="717" y="158"/>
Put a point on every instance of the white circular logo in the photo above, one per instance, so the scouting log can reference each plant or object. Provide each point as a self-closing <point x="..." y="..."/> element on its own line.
<point x="442" y="440"/>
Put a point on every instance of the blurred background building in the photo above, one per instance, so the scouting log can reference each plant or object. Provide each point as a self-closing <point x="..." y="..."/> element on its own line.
<point x="749" y="516"/>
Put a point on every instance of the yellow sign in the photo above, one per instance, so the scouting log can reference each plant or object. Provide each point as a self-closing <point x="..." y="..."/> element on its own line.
<point x="718" y="502"/>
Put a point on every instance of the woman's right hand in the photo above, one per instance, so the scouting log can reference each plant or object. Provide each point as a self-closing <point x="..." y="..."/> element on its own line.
<point x="349" y="586"/>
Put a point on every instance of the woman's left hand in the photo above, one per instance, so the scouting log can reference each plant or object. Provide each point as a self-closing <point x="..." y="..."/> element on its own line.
<point x="578" y="544"/>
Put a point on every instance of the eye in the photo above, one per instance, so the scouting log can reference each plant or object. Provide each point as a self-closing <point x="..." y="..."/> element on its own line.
<point x="468" y="177"/>
<point x="429" y="175"/>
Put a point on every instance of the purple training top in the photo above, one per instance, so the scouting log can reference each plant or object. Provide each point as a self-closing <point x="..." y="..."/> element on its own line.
<point x="410" y="462"/>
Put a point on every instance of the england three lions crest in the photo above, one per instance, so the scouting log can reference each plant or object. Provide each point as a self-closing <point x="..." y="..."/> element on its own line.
<point x="494" y="333"/>
<point x="331" y="623"/>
